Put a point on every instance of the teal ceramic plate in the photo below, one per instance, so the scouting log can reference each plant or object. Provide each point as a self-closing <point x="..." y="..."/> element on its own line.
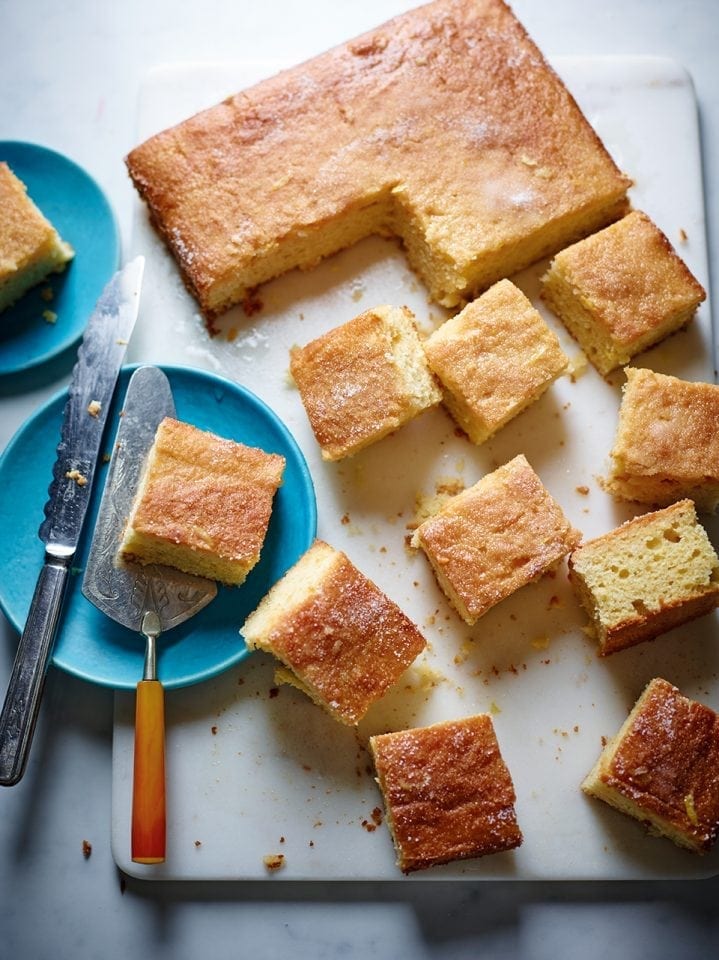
<point x="89" y="644"/>
<point x="79" y="210"/>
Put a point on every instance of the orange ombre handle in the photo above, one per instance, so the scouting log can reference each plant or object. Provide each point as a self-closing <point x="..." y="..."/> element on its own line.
<point x="148" y="788"/>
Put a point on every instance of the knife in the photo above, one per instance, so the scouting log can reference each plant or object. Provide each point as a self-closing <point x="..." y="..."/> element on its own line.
<point x="94" y="377"/>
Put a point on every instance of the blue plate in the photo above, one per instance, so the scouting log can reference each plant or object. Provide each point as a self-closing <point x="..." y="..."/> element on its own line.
<point x="89" y="644"/>
<point x="80" y="212"/>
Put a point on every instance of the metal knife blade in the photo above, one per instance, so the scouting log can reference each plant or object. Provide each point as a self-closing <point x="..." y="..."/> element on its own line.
<point x="127" y="591"/>
<point x="92" y="385"/>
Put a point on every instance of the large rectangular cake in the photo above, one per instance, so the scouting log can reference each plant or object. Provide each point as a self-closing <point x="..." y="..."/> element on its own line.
<point x="445" y="127"/>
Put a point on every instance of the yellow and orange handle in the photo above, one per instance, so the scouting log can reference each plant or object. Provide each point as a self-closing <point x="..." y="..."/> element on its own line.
<point x="148" y="788"/>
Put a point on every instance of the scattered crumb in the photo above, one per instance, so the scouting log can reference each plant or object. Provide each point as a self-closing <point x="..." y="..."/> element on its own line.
<point x="683" y="235"/>
<point x="49" y="316"/>
<point x="578" y="365"/>
<point x="94" y="407"/>
<point x="252" y="303"/>
<point x="198" y="843"/>
<point x="274" y="692"/>
<point x="540" y="643"/>
<point x="369" y="827"/>
<point x="494" y="709"/>
<point x="106" y="458"/>
<point x="583" y="490"/>
<point x="345" y="519"/>
<point x="79" y="478"/>
<point x="282" y="839"/>
<point x="231" y="334"/>
<point x="121" y="343"/>
<point x="86" y="849"/>
<point x="274" y="861"/>
<point x="427" y="505"/>
<point x="377" y="815"/>
<point x="213" y="730"/>
<point x="47" y="293"/>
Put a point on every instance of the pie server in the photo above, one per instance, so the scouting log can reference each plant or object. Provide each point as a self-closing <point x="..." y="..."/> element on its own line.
<point x="148" y="599"/>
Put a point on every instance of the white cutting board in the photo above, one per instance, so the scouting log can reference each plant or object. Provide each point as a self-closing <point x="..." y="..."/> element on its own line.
<point x="252" y="772"/>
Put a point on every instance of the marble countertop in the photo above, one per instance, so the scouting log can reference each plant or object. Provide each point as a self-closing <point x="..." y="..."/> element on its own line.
<point x="70" y="76"/>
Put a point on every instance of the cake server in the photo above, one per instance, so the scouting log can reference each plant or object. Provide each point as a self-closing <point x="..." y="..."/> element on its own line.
<point x="89" y="396"/>
<point x="147" y="599"/>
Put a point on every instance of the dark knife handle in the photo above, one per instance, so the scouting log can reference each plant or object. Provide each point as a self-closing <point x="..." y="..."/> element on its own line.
<point x="24" y="692"/>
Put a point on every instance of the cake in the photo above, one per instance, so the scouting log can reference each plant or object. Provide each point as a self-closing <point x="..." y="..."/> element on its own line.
<point x="363" y="380"/>
<point x="448" y="794"/>
<point x="30" y="247"/>
<point x="649" y="575"/>
<point x="493" y="359"/>
<point x="621" y="290"/>
<point x="495" y="537"/>
<point x="444" y="127"/>
<point x="203" y="504"/>
<point x="667" y="443"/>
<point x="662" y="768"/>
<point x="339" y="638"/>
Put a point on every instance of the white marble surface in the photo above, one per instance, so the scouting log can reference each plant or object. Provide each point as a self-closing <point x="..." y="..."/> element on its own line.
<point x="70" y="75"/>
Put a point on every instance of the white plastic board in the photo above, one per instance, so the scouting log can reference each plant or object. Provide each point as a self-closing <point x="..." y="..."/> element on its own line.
<point x="253" y="772"/>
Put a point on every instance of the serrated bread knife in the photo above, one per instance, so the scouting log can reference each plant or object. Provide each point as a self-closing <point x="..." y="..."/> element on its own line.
<point x="94" y="377"/>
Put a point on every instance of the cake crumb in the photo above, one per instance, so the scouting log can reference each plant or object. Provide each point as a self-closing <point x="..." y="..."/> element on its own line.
<point x="540" y="643"/>
<point x="79" y="478"/>
<point x="49" y="316"/>
<point x="198" y="843"/>
<point x="252" y="303"/>
<point x="583" y="490"/>
<point x="94" y="407"/>
<point x="578" y="365"/>
<point x="683" y="235"/>
<point x="213" y="730"/>
<point x="274" y="861"/>
<point x="86" y="849"/>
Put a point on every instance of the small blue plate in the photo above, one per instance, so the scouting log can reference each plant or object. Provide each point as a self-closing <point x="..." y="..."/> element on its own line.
<point x="89" y="644"/>
<point x="80" y="212"/>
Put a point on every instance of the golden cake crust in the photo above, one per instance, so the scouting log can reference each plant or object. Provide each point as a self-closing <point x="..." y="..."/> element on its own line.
<point x="29" y="244"/>
<point x="362" y="380"/>
<point x="495" y="537"/>
<point x="448" y="793"/>
<point x="632" y="279"/>
<point x="646" y="577"/>
<point x="663" y="767"/>
<point x="203" y="500"/>
<point x="493" y="359"/>
<point x="341" y="637"/>
<point x="667" y="442"/>
<point x="345" y="145"/>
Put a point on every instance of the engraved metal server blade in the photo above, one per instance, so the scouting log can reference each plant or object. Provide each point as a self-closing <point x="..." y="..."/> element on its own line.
<point x="146" y="598"/>
<point x="127" y="591"/>
<point x="90" y="393"/>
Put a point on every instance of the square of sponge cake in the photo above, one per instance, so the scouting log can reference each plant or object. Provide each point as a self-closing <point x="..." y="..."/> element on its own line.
<point x="667" y="442"/>
<point x="621" y="290"/>
<point x="649" y="575"/>
<point x="448" y="794"/>
<point x="445" y="127"/>
<point x="364" y="379"/>
<point x="203" y="504"/>
<point x="493" y="359"/>
<point x="30" y="247"/>
<point x="495" y="537"/>
<point x="662" y="767"/>
<point x="339" y="638"/>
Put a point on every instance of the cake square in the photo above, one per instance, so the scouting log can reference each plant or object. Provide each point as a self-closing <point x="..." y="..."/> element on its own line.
<point x="347" y="144"/>
<point x="495" y="537"/>
<point x="30" y="247"/>
<point x="662" y="767"/>
<point x="667" y="443"/>
<point x="649" y="575"/>
<point x="340" y="639"/>
<point x="203" y="504"/>
<point x="363" y="380"/>
<point x="493" y="359"/>
<point x="448" y="794"/>
<point x="621" y="290"/>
